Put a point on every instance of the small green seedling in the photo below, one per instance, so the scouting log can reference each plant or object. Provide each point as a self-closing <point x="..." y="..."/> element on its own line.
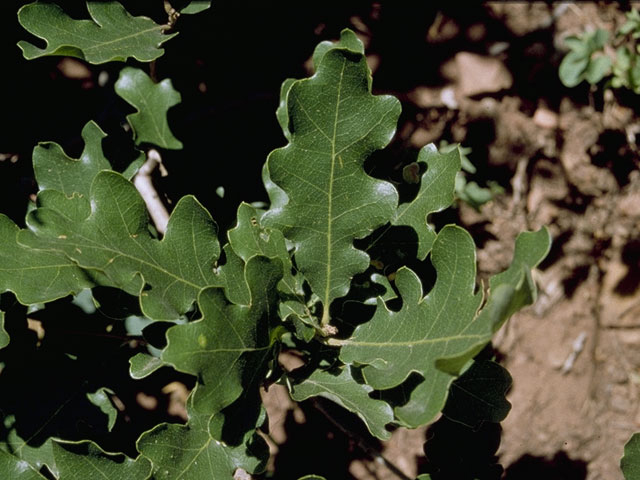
<point x="586" y="59"/>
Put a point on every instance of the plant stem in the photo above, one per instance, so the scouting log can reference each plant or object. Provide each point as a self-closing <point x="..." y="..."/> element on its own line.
<point x="144" y="185"/>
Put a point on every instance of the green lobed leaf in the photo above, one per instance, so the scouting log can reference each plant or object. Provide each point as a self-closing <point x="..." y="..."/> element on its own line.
<point x="111" y="34"/>
<point x="424" y="336"/>
<point x="13" y="468"/>
<point x="30" y="424"/>
<point x="142" y="365"/>
<point x="277" y="196"/>
<point x="54" y="170"/>
<point x="348" y="40"/>
<point x="630" y="462"/>
<point x="100" y="398"/>
<point x="436" y="193"/>
<point x="323" y="198"/>
<point x="83" y="460"/>
<point x="294" y="312"/>
<point x="249" y="238"/>
<point x="509" y="291"/>
<point x="152" y="101"/>
<point x="109" y="233"/>
<point x="394" y="344"/>
<point x="36" y="276"/>
<point x="229" y="346"/>
<point x="4" y="336"/>
<point x="282" y="112"/>
<point x="339" y="386"/>
<point x="530" y="249"/>
<point x="35" y="456"/>
<point x="246" y="414"/>
<point x="382" y="281"/>
<point x="196" y="6"/>
<point x="478" y="395"/>
<point x="232" y="278"/>
<point x="185" y="452"/>
<point x="465" y="164"/>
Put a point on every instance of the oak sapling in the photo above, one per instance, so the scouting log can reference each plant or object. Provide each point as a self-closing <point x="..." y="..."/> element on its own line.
<point x="329" y="269"/>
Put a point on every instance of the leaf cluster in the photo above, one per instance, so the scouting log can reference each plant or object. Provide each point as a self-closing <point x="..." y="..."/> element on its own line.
<point x="593" y="56"/>
<point x="582" y="62"/>
<point x="334" y="269"/>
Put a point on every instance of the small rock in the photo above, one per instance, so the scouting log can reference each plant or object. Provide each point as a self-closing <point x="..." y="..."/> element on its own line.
<point x="478" y="74"/>
<point x="426" y="97"/>
<point x="448" y="97"/>
<point x="629" y="205"/>
<point x="74" y="69"/>
<point x="556" y="359"/>
<point x="545" y="118"/>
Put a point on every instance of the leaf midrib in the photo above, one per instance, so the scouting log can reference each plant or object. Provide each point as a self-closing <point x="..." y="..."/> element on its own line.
<point x="327" y="293"/>
<point x="408" y="343"/>
<point x="119" y="253"/>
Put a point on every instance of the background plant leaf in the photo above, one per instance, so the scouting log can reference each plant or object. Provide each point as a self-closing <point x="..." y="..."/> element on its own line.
<point x="340" y="387"/>
<point x="83" y="460"/>
<point x="579" y="64"/>
<point x="335" y="124"/>
<point x="111" y="34"/>
<point x="110" y="234"/>
<point x="152" y="101"/>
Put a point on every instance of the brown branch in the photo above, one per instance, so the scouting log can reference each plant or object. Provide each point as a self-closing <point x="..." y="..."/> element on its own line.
<point x="144" y="185"/>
